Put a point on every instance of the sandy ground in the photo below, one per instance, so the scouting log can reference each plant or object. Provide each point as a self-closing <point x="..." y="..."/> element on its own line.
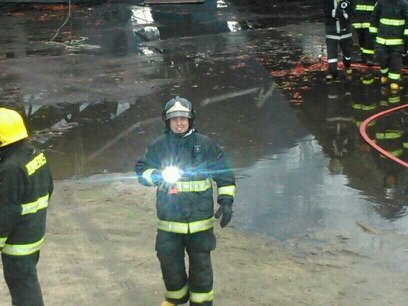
<point x="100" y="251"/>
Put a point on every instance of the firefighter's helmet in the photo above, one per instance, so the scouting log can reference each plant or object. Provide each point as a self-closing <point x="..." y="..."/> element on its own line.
<point x="12" y="128"/>
<point x="178" y="107"/>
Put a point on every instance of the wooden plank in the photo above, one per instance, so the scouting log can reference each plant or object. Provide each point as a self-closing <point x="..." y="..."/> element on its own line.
<point x="172" y="1"/>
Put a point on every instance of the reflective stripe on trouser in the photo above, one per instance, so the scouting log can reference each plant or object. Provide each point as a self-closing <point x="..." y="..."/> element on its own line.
<point x="20" y="274"/>
<point x="22" y="249"/>
<point x="332" y="52"/>
<point x="389" y="57"/>
<point x="170" y="248"/>
<point x="366" y="42"/>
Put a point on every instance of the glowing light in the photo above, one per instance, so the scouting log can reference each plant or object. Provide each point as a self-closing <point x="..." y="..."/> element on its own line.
<point x="171" y="174"/>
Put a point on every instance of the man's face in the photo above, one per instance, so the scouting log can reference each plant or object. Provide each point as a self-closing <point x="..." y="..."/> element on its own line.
<point x="179" y="125"/>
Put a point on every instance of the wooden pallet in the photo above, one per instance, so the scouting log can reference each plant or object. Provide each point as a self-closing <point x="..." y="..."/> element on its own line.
<point x="172" y="1"/>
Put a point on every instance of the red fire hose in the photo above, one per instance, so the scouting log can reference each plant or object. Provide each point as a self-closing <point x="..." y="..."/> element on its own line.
<point x="363" y="134"/>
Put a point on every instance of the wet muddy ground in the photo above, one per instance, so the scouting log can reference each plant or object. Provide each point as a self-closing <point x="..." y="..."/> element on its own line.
<point x="92" y="93"/>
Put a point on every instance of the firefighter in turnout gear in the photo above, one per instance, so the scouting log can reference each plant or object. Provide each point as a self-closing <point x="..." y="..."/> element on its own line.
<point x="25" y="189"/>
<point x="361" y="23"/>
<point x="183" y="164"/>
<point x="389" y="24"/>
<point x="338" y="32"/>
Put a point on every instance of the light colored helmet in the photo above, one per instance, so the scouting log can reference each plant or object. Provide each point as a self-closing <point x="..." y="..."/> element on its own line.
<point x="178" y="107"/>
<point x="12" y="127"/>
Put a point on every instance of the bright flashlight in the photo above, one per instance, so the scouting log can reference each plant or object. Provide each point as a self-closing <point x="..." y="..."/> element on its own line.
<point x="171" y="174"/>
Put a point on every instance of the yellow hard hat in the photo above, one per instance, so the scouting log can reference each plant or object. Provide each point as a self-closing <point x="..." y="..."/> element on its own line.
<point x="12" y="127"/>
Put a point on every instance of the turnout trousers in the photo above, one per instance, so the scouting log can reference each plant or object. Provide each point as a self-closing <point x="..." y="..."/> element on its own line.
<point x="366" y="42"/>
<point x="333" y="41"/>
<point x="20" y="274"/>
<point x="198" y="285"/>
<point x="390" y="60"/>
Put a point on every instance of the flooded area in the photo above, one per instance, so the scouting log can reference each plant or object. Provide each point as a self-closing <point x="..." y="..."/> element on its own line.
<point x="92" y="98"/>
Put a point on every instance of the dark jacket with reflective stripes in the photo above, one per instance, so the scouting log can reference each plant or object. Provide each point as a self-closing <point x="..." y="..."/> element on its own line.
<point x="25" y="187"/>
<point x="389" y="22"/>
<point x="362" y="13"/>
<point x="336" y="25"/>
<point x="201" y="160"/>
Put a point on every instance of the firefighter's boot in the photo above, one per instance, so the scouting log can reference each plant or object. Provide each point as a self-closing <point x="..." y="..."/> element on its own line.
<point x="165" y="303"/>
<point x="384" y="80"/>
<point x="394" y="87"/>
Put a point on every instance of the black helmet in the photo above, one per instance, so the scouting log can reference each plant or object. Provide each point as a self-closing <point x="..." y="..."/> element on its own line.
<point x="178" y="107"/>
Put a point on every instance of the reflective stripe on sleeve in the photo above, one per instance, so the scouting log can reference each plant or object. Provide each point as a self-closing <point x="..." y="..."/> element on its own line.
<point x="33" y="207"/>
<point x="227" y="190"/>
<point x="362" y="7"/>
<point x="147" y="175"/>
<point x="373" y="29"/>
<point x="394" y="76"/>
<point x="22" y="249"/>
<point x="2" y="241"/>
<point x="185" y="227"/>
<point x="201" y="297"/>
<point x="177" y="294"/>
<point x="389" y="135"/>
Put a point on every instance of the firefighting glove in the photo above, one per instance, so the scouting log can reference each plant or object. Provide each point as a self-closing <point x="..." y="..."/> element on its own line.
<point x="156" y="177"/>
<point x="225" y="210"/>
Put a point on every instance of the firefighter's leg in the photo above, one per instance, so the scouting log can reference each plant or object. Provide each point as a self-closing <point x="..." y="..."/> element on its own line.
<point x="369" y="47"/>
<point x="360" y="36"/>
<point x="346" y="45"/>
<point x="381" y="55"/>
<point x="170" y="251"/>
<point x="331" y="58"/>
<point x="199" y="249"/>
<point x="20" y="274"/>
<point x="394" y="74"/>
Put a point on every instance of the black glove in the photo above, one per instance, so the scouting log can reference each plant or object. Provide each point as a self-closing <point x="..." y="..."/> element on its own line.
<point x="225" y="210"/>
<point x="157" y="178"/>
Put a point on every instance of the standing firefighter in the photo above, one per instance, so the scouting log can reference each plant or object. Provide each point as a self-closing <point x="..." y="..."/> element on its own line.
<point x="389" y="23"/>
<point x="182" y="164"/>
<point x="361" y="23"/>
<point x="25" y="188"/>
<point x="338" y="32"/>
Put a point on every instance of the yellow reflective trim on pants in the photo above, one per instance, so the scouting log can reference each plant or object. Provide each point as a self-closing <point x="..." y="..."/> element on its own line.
<point x="33" y="207"/>
<point x="384" y="71"/>
<point x="177" y="294"/>
<point x="201" y="297"/>
<point x="185" y="227"/>
<point x="392" y="22"/>
<point x="227" y="190"/>
<point x="22" y="249"/>
<point x="357" y="25"/>
<point x="389" y="135"/>
<point x="364" y="107"/>
<point x="394" y="76"/>
<point x="389" y="42"/>
<point x="367" y="51"/>
<point x="368" y="82"/>
<point x="405" y="145"/>
<point x="2" y="241"/>
<point x="147" y="175"/>
<point x="396" y="99"/>
<point x="373" y="30"/>
<point x="194" y="186"/>
<point x="406" y="32"/>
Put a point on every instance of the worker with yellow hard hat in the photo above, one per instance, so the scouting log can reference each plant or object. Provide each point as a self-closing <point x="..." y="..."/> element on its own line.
<point x="25" y="189"/>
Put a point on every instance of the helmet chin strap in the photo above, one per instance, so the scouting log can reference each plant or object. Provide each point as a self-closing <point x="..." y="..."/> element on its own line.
<point x="184" y="134"/>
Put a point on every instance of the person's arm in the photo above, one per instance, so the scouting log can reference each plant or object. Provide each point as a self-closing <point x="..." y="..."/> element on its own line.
<point x="375" y="18"/>
<point x="147" y="168"/>
<point x="11" y="190"/>
<point x="225" y="180"/>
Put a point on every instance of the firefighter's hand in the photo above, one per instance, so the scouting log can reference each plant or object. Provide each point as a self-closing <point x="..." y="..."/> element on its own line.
<point x="224" y="211"/>
<point x="157" y="178"/>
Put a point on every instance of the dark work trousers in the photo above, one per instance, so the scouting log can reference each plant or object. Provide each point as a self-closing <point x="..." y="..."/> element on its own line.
<point x="171" y="249"/>
<point x="332" y="51"/>
<point x="389" y="57"/>
<point x="20" y="274"/>
<point x="366" y="42"/>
